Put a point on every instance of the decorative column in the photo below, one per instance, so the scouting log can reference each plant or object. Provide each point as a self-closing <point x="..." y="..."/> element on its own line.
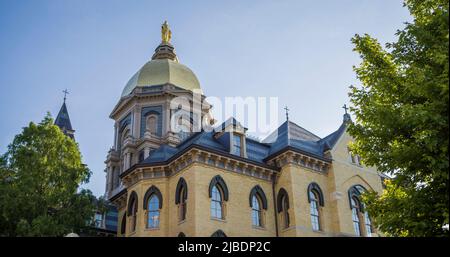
<point x="136" y="122"/>
<point x="108" y="180"/>
<point x="116" y="135"/>
<point x="166" y="115"/>
<point x="127" y="161"/>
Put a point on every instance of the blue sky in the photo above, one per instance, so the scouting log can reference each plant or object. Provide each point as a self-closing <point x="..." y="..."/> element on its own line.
<point x="298" y="51"/>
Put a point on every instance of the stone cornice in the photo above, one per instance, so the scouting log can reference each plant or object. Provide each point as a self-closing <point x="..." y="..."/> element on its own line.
<point x="159" y="91"/>
<point x="293" y="149"/>
<point x="302" y="160"/>
<point x="195" y="155"/>
<point x="120" y="199"/>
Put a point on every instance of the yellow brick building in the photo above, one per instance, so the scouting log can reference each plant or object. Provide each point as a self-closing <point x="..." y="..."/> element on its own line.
<point x="169" y="178"/>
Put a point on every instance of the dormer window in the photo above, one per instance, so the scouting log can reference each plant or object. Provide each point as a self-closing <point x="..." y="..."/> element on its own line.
<point x="185" y="129"/>
<point x="237" y="144"/>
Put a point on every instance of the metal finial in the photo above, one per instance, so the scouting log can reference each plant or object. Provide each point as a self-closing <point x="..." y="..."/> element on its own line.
<point x="287" y="112"/>
<point x="345" y="108"/>
<point x="65" y="93"/>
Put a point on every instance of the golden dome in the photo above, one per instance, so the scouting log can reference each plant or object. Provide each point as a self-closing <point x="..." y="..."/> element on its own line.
<point x="162" y="71"/>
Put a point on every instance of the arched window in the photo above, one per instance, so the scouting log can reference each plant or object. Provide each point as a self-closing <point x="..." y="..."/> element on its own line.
<point x="216" y="203"/>
<point x="218" y="233"/>
<point x="151" y="124"/>
<point x="132" y="210"/>
<point x="125" y="134"/>
<point x="256" y="212"/>
<point x="356" y="210"/>
<point x="180" y="198"/>
<point x="359" y="216"/>
<point x="181" y="234"/>
<point x="152" y="205"/>
<point x="314" y="210"/>
<point x="283" y="206"/>
<point x="258" y="203"/>
<point x="153" y="212"/>
<point x="133" y="215"/>
<point x="123" y="224"/>
<point x="218" y="192"/>
<point x="368" y="224"/>
<point x="315" y="199"/>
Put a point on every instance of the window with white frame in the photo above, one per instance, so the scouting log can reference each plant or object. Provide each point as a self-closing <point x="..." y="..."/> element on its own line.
<point x="237" y="144"/>
<point x="256" y="211"/>
<point x="216" y="203"/>
<point x="314" y="210"/>
<point x="356" y="209"/>
<point x="153" y="212"/>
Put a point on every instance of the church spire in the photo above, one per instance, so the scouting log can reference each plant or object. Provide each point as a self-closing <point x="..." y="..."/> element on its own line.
<point x="165" y="50"/>
<point x="63" y="120"/>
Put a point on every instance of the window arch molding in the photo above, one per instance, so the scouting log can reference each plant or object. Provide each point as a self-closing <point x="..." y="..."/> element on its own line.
<point x="125" y="125"/>
<point x="180" y="186"/>
<point x="258" y="192"/>
<point x="354" y="192"/>
<point x="281" y="194"/>
<point x="314" y="187"/>
<point x="218" y="181"/>
<point x="219" y="233"/>
<point x="124" y="133"/>
<point x="133" y="200"/>
<point x="153" y="191"/>
<point x="151" y="112"/>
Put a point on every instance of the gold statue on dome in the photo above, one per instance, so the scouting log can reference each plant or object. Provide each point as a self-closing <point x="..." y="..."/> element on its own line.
<point x="166" y="34"/>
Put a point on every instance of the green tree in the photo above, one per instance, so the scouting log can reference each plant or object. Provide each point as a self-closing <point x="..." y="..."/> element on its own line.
<point x="401" y="124"/>
<point x="39" y="178"/>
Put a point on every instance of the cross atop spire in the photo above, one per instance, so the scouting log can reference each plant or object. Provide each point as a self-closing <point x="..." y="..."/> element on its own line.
<point x="287" y="112"/>
<point x="345" y="108"/>
<point x="65" y="94"/>
<point x="347" y="117"/>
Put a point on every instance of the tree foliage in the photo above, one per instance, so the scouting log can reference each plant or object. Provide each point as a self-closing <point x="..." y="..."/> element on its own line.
<point x="39" y="178"/>
<point x="401" y="125"/>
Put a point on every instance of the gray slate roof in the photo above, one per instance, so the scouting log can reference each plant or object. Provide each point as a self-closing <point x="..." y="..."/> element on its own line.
<point x="287" y="136"/>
